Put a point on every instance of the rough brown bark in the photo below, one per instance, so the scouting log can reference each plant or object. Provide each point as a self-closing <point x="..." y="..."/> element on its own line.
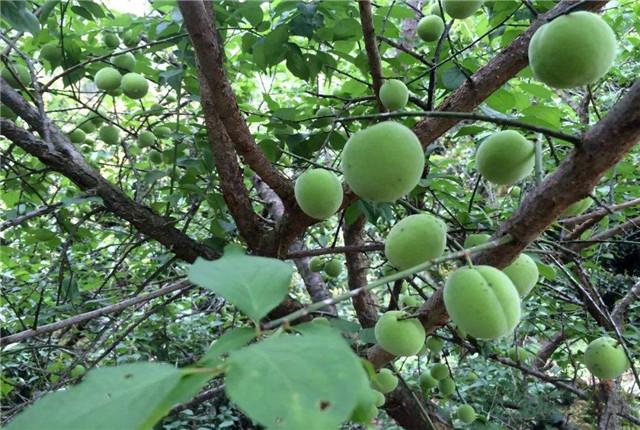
<point x="602" y="147"/>
<point x="364" y="303"/>
<point x="366" y="20"/>
<point x="210" y="56"/>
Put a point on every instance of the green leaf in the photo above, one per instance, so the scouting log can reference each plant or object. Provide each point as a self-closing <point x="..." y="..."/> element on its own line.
<point x="17" y="15"/>
<point x="230" y="341"/>
<point x="252" y="12"/>
<point x="296" y="62"/>
<point x="255" y="285"/>
<point x="296" y="382"/>
<point x="133" y="396"/>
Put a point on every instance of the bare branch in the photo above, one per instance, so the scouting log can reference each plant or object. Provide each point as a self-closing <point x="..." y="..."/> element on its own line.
<point x="372" y="49"/>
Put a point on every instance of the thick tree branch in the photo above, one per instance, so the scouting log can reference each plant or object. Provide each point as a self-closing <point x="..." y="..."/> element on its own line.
<point x="602" y="147"/>
<point x="607" y="234"/>
<point x="372" y="49"/>
<point x="203" y="33"/>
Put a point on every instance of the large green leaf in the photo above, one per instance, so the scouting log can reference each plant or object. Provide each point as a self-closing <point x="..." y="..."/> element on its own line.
<point x="255" y="285"/>
<point x="230" y="341"/>
<point x="296" y="382"/>
<point x="133" y="396"/>
<point x="17" y="15"/>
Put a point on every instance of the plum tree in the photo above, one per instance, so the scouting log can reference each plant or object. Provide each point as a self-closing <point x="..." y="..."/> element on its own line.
<point x="519" y="354"/>
<point x="130" y="38"/>
<point x="155" y="157"/>
<point x="333" y="268"/>
<point x="110" y="134"/>
<point x="605" y="359"/>
<point x="324" y="115"/>
<point x="446" y="386"/>
<point x="162" y="132"/>
<point x="365" y="409"/>
<point x="383" y="162"/>
<point x="385" y="381"/>
<point x="577" y="208"/>
<point x="505" y="157"/>
<point x="51" y="52"/>
<point x="107" y="79"/>
<point x="394" y="94"/>
<point x="461" y="9"/>
<point x="430" y="28"/>
<point x="572" y="50"/>
<point x="318" y="193"/>
<point x="379" y="398"/>
<point x="20" y="71"/>
<point x="316" y="264"/>
<point x="466" y="414"/>
<point x="439" y="371"/>
<point x="111" y="40"/>
<point x="146" y="138"/>
<point x="482" y="301"/>
<point x="427" y="382"/>
<point x="399" y="336"/>
<point x="414" y="240"/>
<point x="523" y="273"/>
<point x="124" y="61"/>
<point x="77" y="136"/>
<point x="476" y="239"/>
<point x="134" y="85"/>
<point x="435" y="344"/>
<point x="87" y="126"/>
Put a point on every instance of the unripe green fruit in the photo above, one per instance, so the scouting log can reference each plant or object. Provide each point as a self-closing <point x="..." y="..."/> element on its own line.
<point x="323" y="112"/>
<point x="605" y="359"/>
<point x="155" y="157"/>
<point x="78" y="371"/>
<point x="87" y="126"/>
<point x="577" y="208"/>
<point x="130" y="38"/>
<point x="115" y="93"/>
<point x="430" y="28"/>
<point x="446" y="386"/>
<point x="110" y="134"/>
<point x="572" y="50"/>
<point x="505" y="157"/>
<point x="379" y="398"/>
<point x="394" y="94"/>
<point x="146" y="138"/>
<point x="333" y="268"/>
<point x="77" y="136"/>
<point x="466" y="414"/>
<point x="97" y="119"/>
<point x="20" y="71"/>
<point x="170" y="98"/>
<point x="461" y="9"/>
<point x="51" y="52"/>
<point x="399" y="337"/>
<point x="523" y="273"/>
<point x="316" y="264"/>
<point x="365" y="410"/>
<point x="383" y="162"/>
<point x="162" y="132"/>
<point x="439" y="371"/>
<point x="414" y="240"/>
<point x="318" y="193"/>
<point x="125" y="61"/>
<point x="483" y="301"/>
<point x="134" y="86"/>
<point x="472" y="376"/>
<point x="427" y="382"/>
<point x="435" y="344"/>
<point x="519" y="354"/>
<point x="6" y="112"/>
<point x="111" y="40"/>
<point x="107" y="79"/>
<point x="407" y="301"/>
<point x="385" y="381"/>
<point x="476" y="239"/>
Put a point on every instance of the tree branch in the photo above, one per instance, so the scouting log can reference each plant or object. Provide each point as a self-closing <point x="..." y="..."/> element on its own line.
<point x="203" y="33"/>
<point x="372" y="49"/>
